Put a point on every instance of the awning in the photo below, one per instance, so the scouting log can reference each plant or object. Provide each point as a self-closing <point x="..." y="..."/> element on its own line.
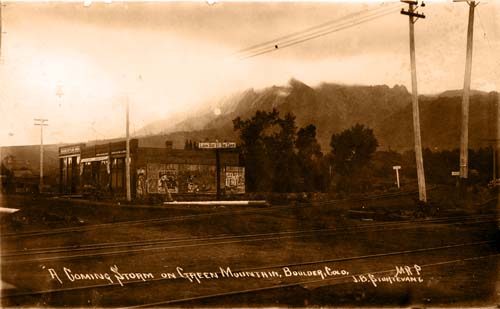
<point x="93" y="159"/>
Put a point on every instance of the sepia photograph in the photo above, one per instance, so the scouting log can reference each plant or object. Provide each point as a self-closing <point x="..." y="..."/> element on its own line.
<point x="250" y="154"/>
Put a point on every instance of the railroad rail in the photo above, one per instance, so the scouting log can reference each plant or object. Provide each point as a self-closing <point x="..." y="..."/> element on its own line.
<point x="118" y="248"/>
<point x="333" y="281"/>
<point x="278" y="286"/>
<point x="86" y="228"/>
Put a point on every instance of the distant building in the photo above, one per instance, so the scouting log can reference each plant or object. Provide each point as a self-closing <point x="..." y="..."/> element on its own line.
<point x="17" y="177"/>
<point x="100" y="169"/>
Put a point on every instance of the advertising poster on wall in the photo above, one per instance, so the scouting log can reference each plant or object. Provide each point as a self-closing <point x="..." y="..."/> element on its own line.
<point x="167" y="179"/>
<point x="196" y="178"/>
<point x="233" y="179"/>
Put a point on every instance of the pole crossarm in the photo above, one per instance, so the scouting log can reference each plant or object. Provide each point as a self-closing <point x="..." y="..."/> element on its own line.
<point x="469" y="2"/>
<point x="40" y="122"/>
<point x="412" y="14"/>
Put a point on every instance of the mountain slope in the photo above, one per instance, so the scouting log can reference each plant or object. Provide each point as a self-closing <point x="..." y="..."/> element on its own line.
<point x="440" y="119"/>
<point x="334" y="107"/>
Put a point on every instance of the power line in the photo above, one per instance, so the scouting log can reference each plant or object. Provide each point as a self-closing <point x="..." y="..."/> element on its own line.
<point x="317" y="34"/>
<point x="304" y="31"/>
<point x="486" y="37"/>
<point x="295" y="39"/>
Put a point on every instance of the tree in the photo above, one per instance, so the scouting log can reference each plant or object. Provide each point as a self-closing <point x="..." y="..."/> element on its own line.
<point x="267" y="143"/>
<point x="307" y="145"/>
<point x="352" y="150"/>
<point x="312" y="165"/>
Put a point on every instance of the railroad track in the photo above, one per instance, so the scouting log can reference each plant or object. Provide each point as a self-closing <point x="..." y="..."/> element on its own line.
<point x="149" y="222"/>
<point x="334" y="280"/>
<point x="141" y="222"/>
<point x="141" y="246"/>
<point x="331" y="281"/>
<point x="369" y="198"/>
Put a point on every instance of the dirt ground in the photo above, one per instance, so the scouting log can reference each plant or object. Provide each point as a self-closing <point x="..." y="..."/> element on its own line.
<point x="467" y="282"/>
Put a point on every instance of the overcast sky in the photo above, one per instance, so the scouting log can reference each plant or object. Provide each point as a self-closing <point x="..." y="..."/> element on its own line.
<point x="76" y="65"/>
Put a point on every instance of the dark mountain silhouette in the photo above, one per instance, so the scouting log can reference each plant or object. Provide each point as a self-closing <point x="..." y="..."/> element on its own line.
<point x="334" y="107"/>
<point x="440" y="122"/>
<point x="458" y="93"/>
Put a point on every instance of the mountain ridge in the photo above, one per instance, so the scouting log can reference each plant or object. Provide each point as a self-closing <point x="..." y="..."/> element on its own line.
<point x="333" y="107"/>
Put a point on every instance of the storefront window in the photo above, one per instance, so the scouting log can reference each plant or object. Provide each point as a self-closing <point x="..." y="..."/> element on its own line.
<point x="87" y="173"/>
<point x="118" y="174"/>
<point x="103" y="175"/>
<point x="62" y="174"/>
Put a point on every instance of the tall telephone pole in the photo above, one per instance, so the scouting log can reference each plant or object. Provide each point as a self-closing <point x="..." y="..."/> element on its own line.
<point x="127" y="157"/>
<point x="413" y="17"/>
<point x="41" y="123"/>
<point x="464" y="134"/>
<point x="1" y="30"/>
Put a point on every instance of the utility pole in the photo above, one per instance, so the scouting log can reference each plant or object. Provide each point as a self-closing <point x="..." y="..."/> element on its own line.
<point x="41" y="122"/>
<point x="464" y="134"/>
<point x="1" y="31"/>
<point x="127" y="157"/>
<point x="413" y="17"/>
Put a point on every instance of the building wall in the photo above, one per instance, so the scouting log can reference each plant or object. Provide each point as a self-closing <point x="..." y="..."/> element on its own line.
<point x="153" y="171"/>
<point x="187" y="172"/>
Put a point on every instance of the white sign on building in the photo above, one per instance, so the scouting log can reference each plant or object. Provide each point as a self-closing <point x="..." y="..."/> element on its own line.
<point x="216" y="145"/>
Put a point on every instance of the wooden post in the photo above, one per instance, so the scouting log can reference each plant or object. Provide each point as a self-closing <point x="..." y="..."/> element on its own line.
<point x="396" y="168"/>
<point x="41" y="123"/>
<point x="464" y="135"/>
<point x="413" y="16"/>
<point x="217" y="166"/>
<point x="127" y="157"/>
<point x="1" y="33"/>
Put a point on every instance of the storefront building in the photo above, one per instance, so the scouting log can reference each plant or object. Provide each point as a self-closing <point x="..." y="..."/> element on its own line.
<point x="100" y="169"/>
<point x="188" y="172"/>
<point x="69" y="168"/>
<point x="103" y="168"/>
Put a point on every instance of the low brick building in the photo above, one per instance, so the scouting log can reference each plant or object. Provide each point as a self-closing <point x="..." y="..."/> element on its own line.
<point x="100" y="169"/>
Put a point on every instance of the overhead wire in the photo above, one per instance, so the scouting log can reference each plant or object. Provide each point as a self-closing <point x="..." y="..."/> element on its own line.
<point x="303" y="31"/>
<point x="310" y="33"/>
<point x="485" y="36"/>
<point x="316" y="35"/>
